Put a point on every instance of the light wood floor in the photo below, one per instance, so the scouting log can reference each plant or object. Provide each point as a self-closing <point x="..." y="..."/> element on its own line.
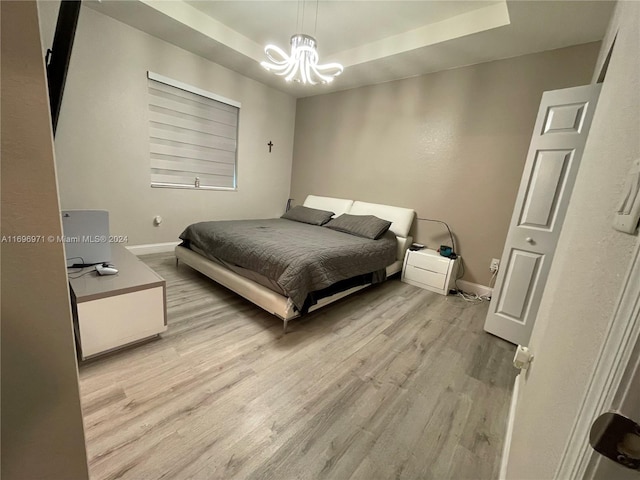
<point x="391" y="383"/>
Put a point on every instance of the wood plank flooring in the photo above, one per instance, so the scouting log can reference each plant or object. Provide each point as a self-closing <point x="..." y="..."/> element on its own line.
<point x="394" y="382"/>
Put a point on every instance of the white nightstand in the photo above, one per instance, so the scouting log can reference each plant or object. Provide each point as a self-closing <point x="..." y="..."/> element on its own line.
<point x="429" y="270"/>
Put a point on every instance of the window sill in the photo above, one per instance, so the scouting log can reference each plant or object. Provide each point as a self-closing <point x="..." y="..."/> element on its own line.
<point x="191" y="187"/>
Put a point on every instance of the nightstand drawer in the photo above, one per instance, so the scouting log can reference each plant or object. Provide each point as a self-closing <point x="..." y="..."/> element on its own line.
<point x="426" y="277"/>
<point x="434" y="263"/>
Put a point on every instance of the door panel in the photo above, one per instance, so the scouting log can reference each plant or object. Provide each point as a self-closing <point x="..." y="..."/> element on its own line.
<point x="564" y="118"/>
<point x="555" y="151"/>
<point x="545" y="187"/>
<point x="514" y="297"/>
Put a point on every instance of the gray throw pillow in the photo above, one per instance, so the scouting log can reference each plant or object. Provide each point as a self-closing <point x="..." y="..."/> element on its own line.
<point x="312" y="216"/>
<point x="367" y="226"/>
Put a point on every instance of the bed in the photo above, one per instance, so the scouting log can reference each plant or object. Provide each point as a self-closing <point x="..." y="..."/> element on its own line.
<point x="289" y="267"/>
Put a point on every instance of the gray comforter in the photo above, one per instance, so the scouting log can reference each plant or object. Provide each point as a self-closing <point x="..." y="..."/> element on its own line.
<point x="301" y="258"/>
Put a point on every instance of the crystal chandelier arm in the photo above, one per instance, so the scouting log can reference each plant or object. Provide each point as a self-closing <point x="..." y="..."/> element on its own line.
<point x="303" y="68"/>
<point x="326" y="73"/>
<point x="323" y="78"/>
<point x="287" y="70"/>
<point x="307" y="74"/>
<point x="284" y="58"/>
<point x="294" y="67"/>
<point x="275" y="68"/>
<point x="279" y="66"/>
<point x="278" y="69"/>
<point x="327" y="67"/>
<point x="306" y="59"/>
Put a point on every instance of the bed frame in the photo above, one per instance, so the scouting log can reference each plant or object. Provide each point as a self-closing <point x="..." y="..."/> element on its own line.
<point x="281" y="306"/>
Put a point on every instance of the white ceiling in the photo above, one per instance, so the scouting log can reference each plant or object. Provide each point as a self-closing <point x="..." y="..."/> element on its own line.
<point x="376" y="41"/>
<point x="275" y="21"/>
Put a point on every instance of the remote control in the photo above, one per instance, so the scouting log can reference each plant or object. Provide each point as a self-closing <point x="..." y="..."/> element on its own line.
<point x="106" y="269"/>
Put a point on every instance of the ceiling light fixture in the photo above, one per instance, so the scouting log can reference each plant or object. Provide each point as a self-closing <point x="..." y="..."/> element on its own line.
<point x="301" y="65"/>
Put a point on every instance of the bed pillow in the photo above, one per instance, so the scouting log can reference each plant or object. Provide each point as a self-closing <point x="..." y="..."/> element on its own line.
<point x="312" y="216"/>
<point x="367" y="226"/>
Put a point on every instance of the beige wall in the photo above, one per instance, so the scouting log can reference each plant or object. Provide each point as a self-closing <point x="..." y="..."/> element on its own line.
<point x="42" y="431"/>
<point x="102" y="145"/>
<point x="588" y="270"/>
<point x="451" y="145"/>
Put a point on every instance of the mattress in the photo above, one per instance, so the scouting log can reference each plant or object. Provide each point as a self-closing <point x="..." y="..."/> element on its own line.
<point x="245" y="272"/>
<point x="300" y="258"/>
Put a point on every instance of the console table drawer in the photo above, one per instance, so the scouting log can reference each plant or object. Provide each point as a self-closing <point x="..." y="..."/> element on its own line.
<point x="111" y="322"/>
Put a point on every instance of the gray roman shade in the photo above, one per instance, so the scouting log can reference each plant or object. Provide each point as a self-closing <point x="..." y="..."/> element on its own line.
<point x="193" y="136"/>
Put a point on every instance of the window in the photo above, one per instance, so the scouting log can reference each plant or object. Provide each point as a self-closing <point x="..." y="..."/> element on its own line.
<point x="192" y="136"/>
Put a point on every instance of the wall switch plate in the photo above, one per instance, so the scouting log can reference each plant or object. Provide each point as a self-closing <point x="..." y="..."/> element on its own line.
<point x="495" y="264"/>
<point x="628" y="213"/>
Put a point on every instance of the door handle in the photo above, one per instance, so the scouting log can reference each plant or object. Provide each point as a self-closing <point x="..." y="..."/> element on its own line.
<point x="529" y="240"/>
<point x="617" y="438"/>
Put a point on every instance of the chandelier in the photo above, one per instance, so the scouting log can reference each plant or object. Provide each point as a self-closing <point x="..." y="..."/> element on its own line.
<point x="301" y="65"/>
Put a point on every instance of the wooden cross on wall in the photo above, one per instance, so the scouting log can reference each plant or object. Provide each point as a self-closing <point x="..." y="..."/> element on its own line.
<point x="270" y="144"/>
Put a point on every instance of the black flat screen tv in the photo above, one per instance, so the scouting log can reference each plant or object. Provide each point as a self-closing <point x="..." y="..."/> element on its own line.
<point x="58" y="56"/>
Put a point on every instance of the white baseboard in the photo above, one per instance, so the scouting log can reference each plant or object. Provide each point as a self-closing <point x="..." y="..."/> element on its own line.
<point x="509" y="434"/>
<point x="152" y="248"/>
<point x="469" y="287"/>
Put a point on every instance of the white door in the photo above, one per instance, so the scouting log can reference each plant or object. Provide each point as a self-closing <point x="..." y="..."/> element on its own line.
<point x="558" y="140"/>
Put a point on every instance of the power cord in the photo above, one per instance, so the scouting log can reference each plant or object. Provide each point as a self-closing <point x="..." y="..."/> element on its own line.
<point x="75" y="265"/>
<point x="81" y="265"/>
<point x="468" y="297"/>
<point x="493" y="278"/>
<point x="453" y="243"/>
<point x="81" y="275"/>
<point x="472" y="297"/>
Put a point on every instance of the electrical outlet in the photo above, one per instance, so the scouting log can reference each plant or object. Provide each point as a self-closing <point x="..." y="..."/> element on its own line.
<point x="495" y="264"/>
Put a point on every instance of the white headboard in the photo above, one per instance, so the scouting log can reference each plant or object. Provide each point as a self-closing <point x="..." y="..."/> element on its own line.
<point x="400" y="218"/>
<point x="335" y="205"/>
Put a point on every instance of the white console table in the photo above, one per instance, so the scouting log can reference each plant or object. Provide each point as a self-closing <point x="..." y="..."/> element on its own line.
<point x="110" y="312"/>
